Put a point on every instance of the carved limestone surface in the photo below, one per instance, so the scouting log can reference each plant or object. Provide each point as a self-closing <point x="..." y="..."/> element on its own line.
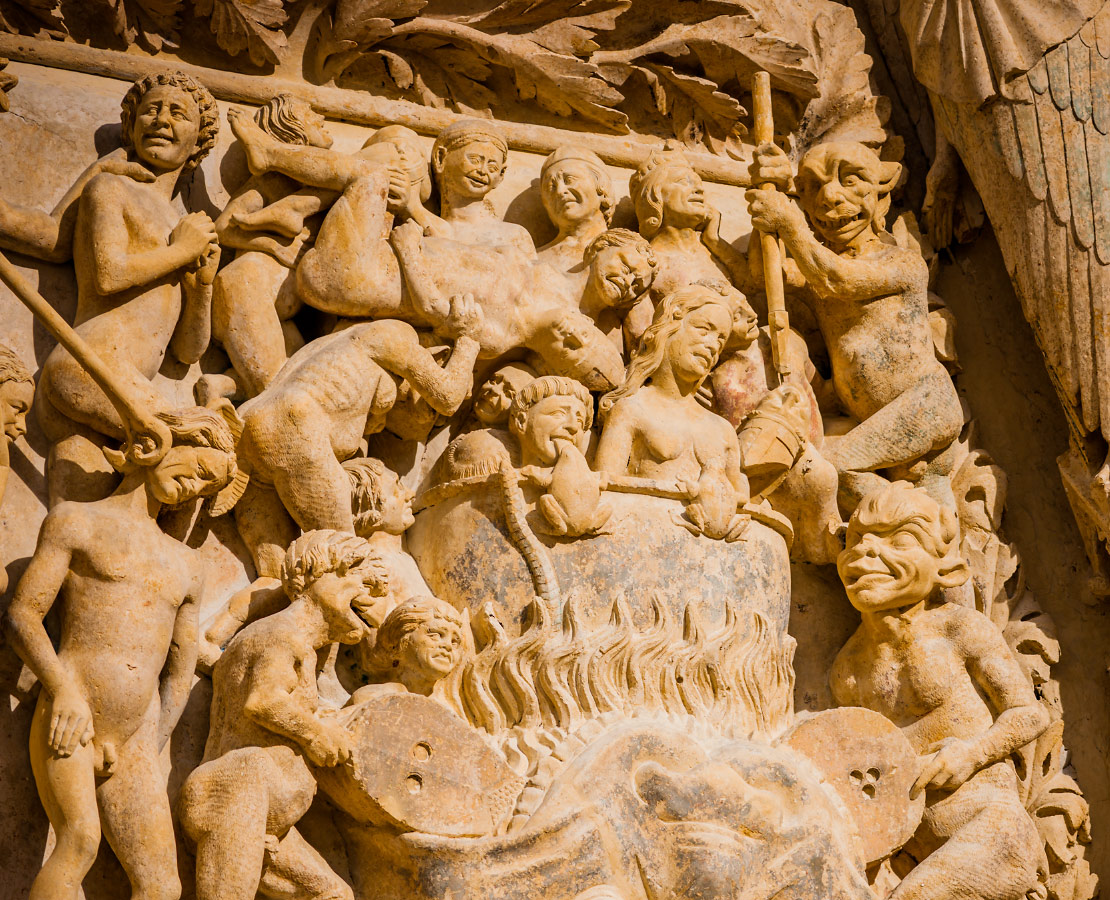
<point x="524" y="453"/>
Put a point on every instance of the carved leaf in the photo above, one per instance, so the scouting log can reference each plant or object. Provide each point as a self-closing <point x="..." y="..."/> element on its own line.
<point x="563" y="85"/>
<point x="152" y="24"/>
<point x="562" y="26"/>
<point x="697" y="111"/>
<point x="440" y="75"/>
<point x="251" y="25"/>
<point x="356" y="26"/>
<point x="846" y="110"/>
<point x="38" y="18"/>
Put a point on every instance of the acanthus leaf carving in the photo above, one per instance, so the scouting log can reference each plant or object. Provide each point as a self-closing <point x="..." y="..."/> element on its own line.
<point x="40" y="18"/>
<point x="251" y="25"/>
<point x="150" y="23"/>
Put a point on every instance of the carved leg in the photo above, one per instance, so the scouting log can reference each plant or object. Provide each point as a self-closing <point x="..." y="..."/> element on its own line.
<point x="993" y="857"/>
<point x="265" y="527"/>
<point x="916" y="424"/>
<point x="245" y="318"/>
<point x="296" y="871"/>
<point x="67" y="789"/>
<point x="351" y="270"/>
<point x="135" y="812"/>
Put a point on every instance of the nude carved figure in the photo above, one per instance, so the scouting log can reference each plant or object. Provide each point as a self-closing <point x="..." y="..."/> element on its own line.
<point x="240" y="806"/>
<point x="944" y="675"/>
<point x="144" y="280"/>
<point x="119" y="679"/>
<point x="871" y="302"/>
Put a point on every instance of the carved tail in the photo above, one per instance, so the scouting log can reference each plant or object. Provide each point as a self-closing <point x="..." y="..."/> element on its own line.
<point x="544" y="581"/>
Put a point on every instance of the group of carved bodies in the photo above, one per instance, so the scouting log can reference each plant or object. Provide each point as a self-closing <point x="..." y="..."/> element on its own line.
<point x="656" y="324"/>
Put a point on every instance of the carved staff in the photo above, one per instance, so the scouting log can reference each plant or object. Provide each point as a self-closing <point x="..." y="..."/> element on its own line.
<point x="777" y="317"/>
<point x="148" y="438"/>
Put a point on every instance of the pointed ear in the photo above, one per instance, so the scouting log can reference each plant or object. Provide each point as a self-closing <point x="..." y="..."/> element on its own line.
<point x="890" y="173"/>
<point x="230" y="494"/>
<point x="226" y="411"/>
<point x="117" y="459"/>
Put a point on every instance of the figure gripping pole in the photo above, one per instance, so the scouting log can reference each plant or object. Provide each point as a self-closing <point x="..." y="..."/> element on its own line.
<point x="777" y="317"/>
<point x="148" y="438"/>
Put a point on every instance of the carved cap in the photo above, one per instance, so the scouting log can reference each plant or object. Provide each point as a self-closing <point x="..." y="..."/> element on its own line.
<point x="467" y="130"/>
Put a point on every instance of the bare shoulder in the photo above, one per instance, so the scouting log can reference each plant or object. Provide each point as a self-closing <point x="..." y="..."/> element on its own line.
<point x="69" y="521"/>
<point x="967" y="628"/>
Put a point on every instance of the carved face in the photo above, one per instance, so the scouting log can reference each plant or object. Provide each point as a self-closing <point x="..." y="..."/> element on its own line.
<point x="472" y="170"/>
<point x="570" y="193"/>
<point x="15" y="400"/>
<point x="187" y="472"/>
<point x="619" y="276"/>
<point x="745" y="323"/>
<point x="315" y="125"/>
<point x="553" y="419"/>
<point x="167" y="122"/>
<point x="571" y="345"/>
<point x="841" y="186"/>
<point x="693" y="350"/>
<point x="334" y="595"/>
<point x="683" y="197"/>
<point x="396" y="505"/>
<point x="495" y="397"/>
<point x="432" y="648"/>
<point x="888" y="565"/>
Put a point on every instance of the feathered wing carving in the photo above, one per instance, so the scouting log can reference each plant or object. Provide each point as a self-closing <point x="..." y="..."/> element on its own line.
<point x="1037" y="148"/>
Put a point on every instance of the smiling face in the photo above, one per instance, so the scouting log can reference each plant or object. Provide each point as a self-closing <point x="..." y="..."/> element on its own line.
<point x="842" y="187"/>
<point x="888" y="565"/>
<point x="167" y="122"/>
<point x="15" y="400"/>
<point x="683" y="197"/>
<point x="694" y="348"/>
<point x="187" y="472"/>
<point x="470" y="170"/>
<point x="432" y="648"/>
<point x="570" y="194"/>
<point x="543" y="425"/>
<point x="619" y="276"/>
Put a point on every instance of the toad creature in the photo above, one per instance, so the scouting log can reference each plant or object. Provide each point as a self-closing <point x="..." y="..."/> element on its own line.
<point x="551" y="417"/>
<point x="712" y="511"/>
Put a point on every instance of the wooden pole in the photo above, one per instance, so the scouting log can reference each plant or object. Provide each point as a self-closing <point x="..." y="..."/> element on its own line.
<point x="777" y="317"/>
<point x="148" y="437"/>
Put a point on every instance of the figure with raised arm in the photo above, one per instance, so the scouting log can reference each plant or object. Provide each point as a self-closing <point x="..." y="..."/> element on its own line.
<point x="119" y="679"/>
<point x="683" y="227"/>
<point x="144" y="280"/>
<point x="255" y="296"/>
<point x="240" y="806"/>
<point x="871" y="303"/>
<point x="316" y="412"/>
<point x="653" y="425"/>
<point x="944" y="675"/>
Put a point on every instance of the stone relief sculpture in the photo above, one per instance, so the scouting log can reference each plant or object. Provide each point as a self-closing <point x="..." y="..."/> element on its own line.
<point x="1036" y="89"/>
<point x="523" y="536"/>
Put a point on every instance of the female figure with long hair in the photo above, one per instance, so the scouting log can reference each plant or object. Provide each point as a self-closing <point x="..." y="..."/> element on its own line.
<point x="654" y="426"/>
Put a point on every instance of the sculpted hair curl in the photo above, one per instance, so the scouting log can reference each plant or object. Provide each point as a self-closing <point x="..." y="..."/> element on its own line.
<point x="206" y="106"/>
<point x="283" y="118"/>
<point x="12" y="367"/>
<point x="318" y="553"/>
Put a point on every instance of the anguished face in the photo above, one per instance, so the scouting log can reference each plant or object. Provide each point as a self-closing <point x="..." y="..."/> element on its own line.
<point x="695" y="347"/>
<point x="570" y="193"/>
<point x="682" y="193"/>
<point x="432" y="648"/>
<point x="315" y="125"/>
<point x="336" y="595"/>
<point x="561" y="417"/>
<point x="167" y="122"/>
<point x="15" y="400"/>
<point x="187" y="472"/>
<point x="619" y="276"/>
<point x="397" y="499"/>
<point x="841" y="186"/>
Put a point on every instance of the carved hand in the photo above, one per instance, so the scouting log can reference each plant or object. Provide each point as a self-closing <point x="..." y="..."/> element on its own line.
<point x="70" y="721"/>
<point x="771" y="164"/>
<point x="774" y="213"/>
<point x="465" y="316"/>
<point x="949" y="767"/>
<point x="196" y="235"/>
<point x="117" y="165"/>
<point x="330" y="746"/>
